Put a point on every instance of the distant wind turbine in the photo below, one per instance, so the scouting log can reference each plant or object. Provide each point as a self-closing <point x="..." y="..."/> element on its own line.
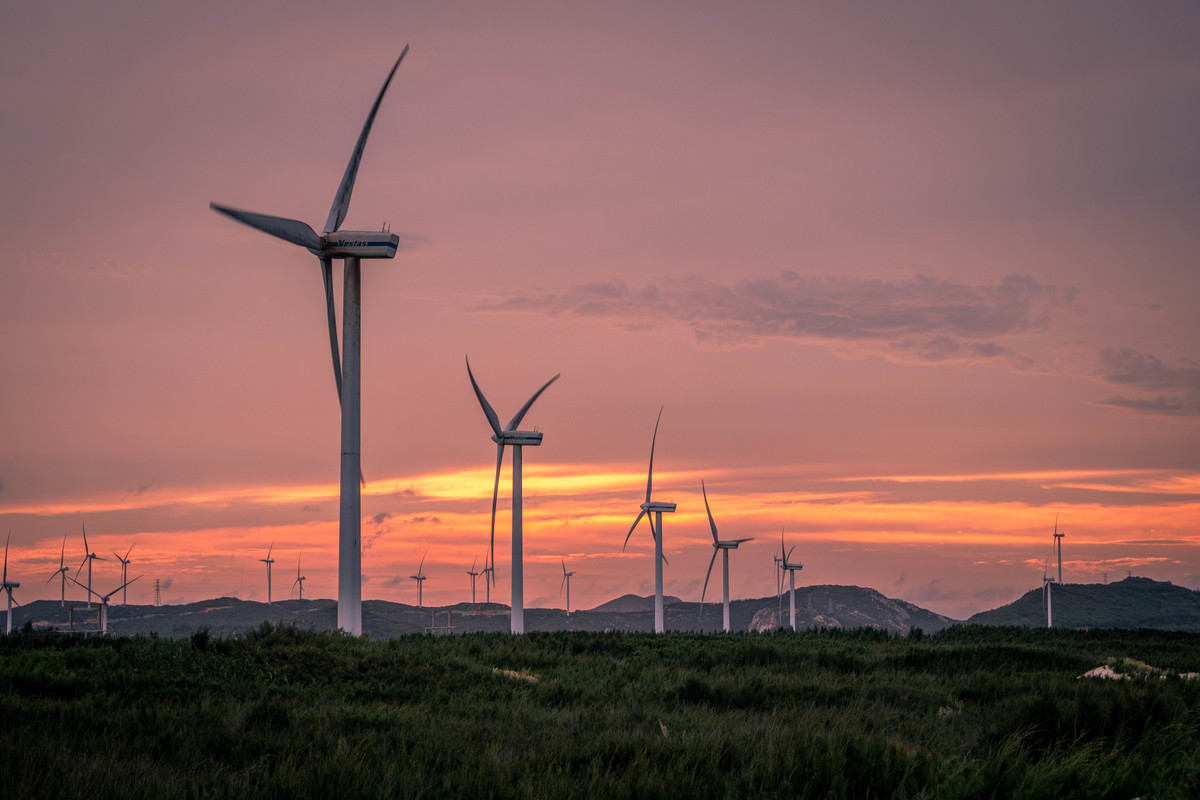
<point x="269" y="561"/>
<point x="124" y="566"/>
<point x="474" y="574"/>
<point x="650" y="507"/>
<point x="487" y="584"/>
<point x="1047" y="598"/>
<point x="7" y="586"/>
<point x="420" y="579"/>
<point x="723" y="548"/>
<point x="351" y="247"/>
<point x="104" y="598"/>
<point x="566" y="581"/>
<point x="1058" y="537"/>
<point x="509" y="435"/>
<point x="62" y="572"/>
<point x="300" y="579"/>
<point x="786" y="565"/>
<point x="88" y="558"/>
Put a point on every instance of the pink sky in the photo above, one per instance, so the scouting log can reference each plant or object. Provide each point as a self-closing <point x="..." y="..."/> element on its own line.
<point x="909" y="282"/>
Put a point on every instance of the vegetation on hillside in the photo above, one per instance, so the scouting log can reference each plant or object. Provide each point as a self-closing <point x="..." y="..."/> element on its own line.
<point x="966" y="712"/>
<point x="1129" y="603"/>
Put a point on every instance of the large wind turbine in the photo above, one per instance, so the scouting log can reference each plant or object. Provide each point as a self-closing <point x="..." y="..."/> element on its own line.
<point x="351" y="247"/>
<point x="420" y="579"/>
<point x="88" y="558"/>
<point x="516" y="439"/>
<point x="650" y="507"/>
<point x="300" y="579"/>
<point x="124" y="566"/>
<point x="723" y="548"/>
<point x="566" y="581"/>
<point x="62" y="571"/>
<point x="269" y="561"/>
<point x="7" y="586"/>
<point x="792" y="569"/>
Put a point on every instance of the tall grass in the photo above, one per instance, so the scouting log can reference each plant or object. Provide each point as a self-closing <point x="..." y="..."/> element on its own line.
<point x="967" y="712"/>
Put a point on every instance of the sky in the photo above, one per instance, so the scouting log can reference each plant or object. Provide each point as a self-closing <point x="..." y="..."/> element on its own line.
<point x="909" y="282"/>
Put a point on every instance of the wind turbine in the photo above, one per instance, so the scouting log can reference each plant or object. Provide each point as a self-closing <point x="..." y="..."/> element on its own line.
<point x="651" y="507"/>
<point x="104" y="601"/>
<point x="88" y="558"/>
<point x="62" y="571"/>
<point x="8" y="585"/>
<point x="300" y="579"/>
<point x="420" y="579"/>
<point x="351" y="247"/>
<point x="1047" y="598"/>
<point x="269" y="561"/>
<point x="785" y="564"/>
<point x="1058" y="537"/>
<point x="473" y="575"/>
<point x="487" y="584"/>
<point x="124" y="566"/>
<point x="516" y="439"/>
<point x="723" y="548"/>
<point x="566" y="581"/>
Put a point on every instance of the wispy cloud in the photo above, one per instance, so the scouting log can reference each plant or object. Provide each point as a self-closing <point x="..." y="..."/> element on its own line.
<point x="922" y="319"/>
<point x="1177" y="388"/>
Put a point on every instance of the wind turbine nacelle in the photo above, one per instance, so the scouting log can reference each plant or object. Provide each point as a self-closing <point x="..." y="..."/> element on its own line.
<point x="520" y="438"/>
<point x="361" y="244"/>
<point x="654" y="506"/>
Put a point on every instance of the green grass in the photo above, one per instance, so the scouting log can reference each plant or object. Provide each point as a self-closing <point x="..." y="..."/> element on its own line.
<point x="967" y="712"/>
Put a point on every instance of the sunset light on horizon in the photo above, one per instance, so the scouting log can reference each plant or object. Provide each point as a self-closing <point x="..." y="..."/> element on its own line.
<point x="912" y="285"/>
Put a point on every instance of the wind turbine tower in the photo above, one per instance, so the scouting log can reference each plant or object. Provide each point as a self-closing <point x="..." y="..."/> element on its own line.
<point x="516" y="439"/>
<point x="104" y="598"/>
<point x="88" y="558"/>
<point x="723" y="548"/>
<point x="420" y="579"/>
<point x="657" y="509"/>
<point x="269" y="561"/>
<point x="62" y="571"/>
<point x="566" y="581"/>
<point x="1047" y="592"/>
<point x="486" y="572"/>
<point x="351" y="247"/>
<point x="124" y="566"/>
<point x="7" y="586"/>
<point x="792" y="569"/>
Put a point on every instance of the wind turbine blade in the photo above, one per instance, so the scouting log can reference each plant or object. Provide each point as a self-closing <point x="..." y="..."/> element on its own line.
<point x="711" y="524"/>
<point x="654" y="533"/>
<point x="421" y="566"/>
<point x="86" y="550"/>
<point x="6" y="543"/>
<point x="650" y="472"/>
<point x="706" y="577"/>
<point x="564" y="583"/>
<point x="516" y="420"/>
<point x="564" y="565"/>
<point x="341" y="200"/>
<point x="789" y="554"/>
<point x="269" y="549"/>
<point x="127" y="552"/>
<point x="488" y="411"/>
<point x="62" y="555"/>
<point x="634" y="525"/>
<point x="119" y="588"/>
<point x="87" y="588"/>
<point x="290" y="230"/>
<point x="327" y="278"/>
<point x="495" y="493"/>
<point x="740" y="541"/>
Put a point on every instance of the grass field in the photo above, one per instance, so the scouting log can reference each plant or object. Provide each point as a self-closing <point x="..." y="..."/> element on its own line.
<point x="967" y="712"/>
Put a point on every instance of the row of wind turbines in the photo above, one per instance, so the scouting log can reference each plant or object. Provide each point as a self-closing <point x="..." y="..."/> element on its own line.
<point x="352" y="247"/>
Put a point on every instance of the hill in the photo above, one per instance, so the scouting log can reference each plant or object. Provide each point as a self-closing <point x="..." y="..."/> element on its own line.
<point x="1130" y="603"/>
<point x="816" y="607"/>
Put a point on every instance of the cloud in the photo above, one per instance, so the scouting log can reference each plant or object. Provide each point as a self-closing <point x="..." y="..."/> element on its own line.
<point x="309" y="508"/>
<point x="922" y="319"/>
<point x="395" y="580"/>
<point x="381" y="517"/>
<point x="432" y="520"/>
<point x="380" y="528"/>
<point x="1177" y="389"/>
<point x="166" y="584"/>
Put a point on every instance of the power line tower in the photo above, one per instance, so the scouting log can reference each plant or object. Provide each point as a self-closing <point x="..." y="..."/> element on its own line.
<point x="157" y="594"/>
